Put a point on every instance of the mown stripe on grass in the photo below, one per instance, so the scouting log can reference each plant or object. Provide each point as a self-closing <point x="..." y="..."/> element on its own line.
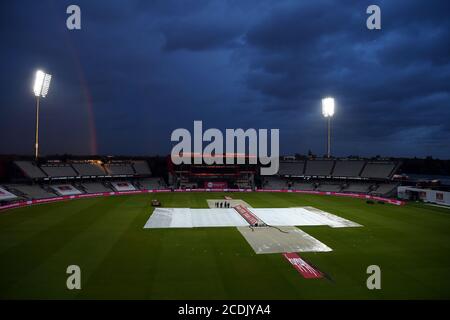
<point x="22" y="259"/>
<point x="24" y="224"/>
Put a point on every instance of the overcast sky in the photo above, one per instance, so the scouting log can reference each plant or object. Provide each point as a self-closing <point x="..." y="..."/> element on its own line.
<point x="137" y="70"/>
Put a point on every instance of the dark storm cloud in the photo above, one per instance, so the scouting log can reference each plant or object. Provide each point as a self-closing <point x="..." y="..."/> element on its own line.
<point x="390" y="86"/>
<point x="136" y="71"/>
<point x="197" y="37"/>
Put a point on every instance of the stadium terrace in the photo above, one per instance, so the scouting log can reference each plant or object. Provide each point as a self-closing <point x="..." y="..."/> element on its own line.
<point x="51" y="179"/>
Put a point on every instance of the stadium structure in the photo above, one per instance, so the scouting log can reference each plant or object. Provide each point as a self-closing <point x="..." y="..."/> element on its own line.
<point x="53" y="180"/>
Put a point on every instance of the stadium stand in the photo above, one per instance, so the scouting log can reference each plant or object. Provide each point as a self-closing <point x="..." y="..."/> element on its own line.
<point x="123" y="186"/>
<point x="384" y="189"/>
<point x="30" y="169"/>
<point x="94" y="187"/>
<point x="89" y="169"/>
<point x="151" y="184"/>
<point x="356" y="187"/>
<point x="118" y="169"/>
<point x="244" y="185"/>
<point x="141" y="168"/>
<point x="189" y="185"/>
<point x="6" y="195"/>
<point x="291" y="168"/>
<point x="274" y="183"/>
<point x="30" y="191"/>
<point x="378" y="170"/>
<point x="304" y="186"/>
<point x="319" y="167"/>
<point x="55" y="171"/>
<point x="348" y="168"/>
<point x="329" y="187"/>
<point x="65" y="190"/>
<point x="100" y="176"/>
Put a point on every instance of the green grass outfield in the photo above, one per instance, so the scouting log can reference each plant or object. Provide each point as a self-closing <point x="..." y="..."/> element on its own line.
<point x="121" y="260"/>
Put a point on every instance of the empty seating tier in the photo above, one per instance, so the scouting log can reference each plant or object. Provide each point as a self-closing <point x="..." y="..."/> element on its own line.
<point x="95" y="187"/>
<point x="30" y="169"/>
<point x="379" y="170"/>
<point x="141" y="168"/>
<point x="384" y="189"/>
<point x="304" y="186"/>
<point x="151" y="184"/>
<point x="291" y="168"/>
<point x="89" y="169"/>
<point x="348" y="168"/>
<point x="65" y="190"/>
<point x="31" y="191"/>
<point x="319" y="167"/>
<point x="6" y="195"/>
<point x="329" y="187"/>
<point x="54" y="171"/>
<point x="275" y="183"/>
<point x="117" y="169"/>
<point x="123" y="186"/>
<point x="357" y="188"/>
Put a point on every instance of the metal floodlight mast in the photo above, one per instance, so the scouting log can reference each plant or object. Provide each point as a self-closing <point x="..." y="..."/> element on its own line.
<point x="328" y="112"/>
<point x="40" y="89"/>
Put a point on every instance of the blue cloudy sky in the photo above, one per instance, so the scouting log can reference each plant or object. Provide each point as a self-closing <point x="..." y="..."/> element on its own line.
<point x="137" y="70"/>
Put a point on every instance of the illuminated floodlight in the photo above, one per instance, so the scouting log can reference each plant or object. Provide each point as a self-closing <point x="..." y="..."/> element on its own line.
<point x="328" y="107"/>
<point x="38" y="82"/>
<point x="41" y="84"/>
<point x="46" y="85"/>
<point x="40" y="89"/>
<point x="328" y="112"/>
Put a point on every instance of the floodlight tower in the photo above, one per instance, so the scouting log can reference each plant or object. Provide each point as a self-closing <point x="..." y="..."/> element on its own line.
<point x="41" y="85"/>
<point x="328" y="112"/>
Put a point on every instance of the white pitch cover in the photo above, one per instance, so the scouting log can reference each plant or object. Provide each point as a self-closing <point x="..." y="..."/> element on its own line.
<point x="228" y="217"/>
<point x="192" y="218"/>
<point x="307" y="216"/>
<point x="217" y="218"/>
